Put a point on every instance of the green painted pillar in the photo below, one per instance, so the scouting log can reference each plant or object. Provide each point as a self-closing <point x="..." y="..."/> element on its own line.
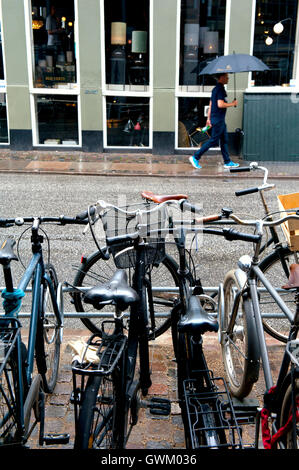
<point x="239" y="37"/>
<point x="164" y="72"/>
<point x="15" y="53"/>
<point x="89" y="31"/>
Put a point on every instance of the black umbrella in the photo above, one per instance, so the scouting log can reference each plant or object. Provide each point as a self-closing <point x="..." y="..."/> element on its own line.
<point x="234" y="63"/>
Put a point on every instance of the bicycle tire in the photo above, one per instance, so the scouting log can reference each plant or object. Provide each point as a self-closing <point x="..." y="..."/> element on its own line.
<point x="273" y="269"/>
<point x="102" y="421"/>
<point x="240" y="352"/>
<point x="95" y="270"/>
<point x="285" y="413"/>
<point x="48" y="338"/>
<point x="11" y="431"/>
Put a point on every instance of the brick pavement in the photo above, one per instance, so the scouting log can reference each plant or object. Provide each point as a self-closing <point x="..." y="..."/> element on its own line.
<point x="151" y="432"/>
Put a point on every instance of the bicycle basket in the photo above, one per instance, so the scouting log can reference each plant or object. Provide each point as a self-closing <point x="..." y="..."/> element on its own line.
<point x="116" y="223"/>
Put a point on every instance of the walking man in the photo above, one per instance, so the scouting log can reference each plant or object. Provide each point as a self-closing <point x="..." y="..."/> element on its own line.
<point x="216" y="119"/>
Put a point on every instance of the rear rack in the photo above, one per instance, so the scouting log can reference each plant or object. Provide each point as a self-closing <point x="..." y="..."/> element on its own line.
<point x="211" y="415"/>
<point x="109" y="351"/>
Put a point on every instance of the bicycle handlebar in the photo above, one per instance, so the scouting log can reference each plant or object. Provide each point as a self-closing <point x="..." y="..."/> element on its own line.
<point x="253" y="167"/>
<point x="84" y="215"/>
<point x="264" y="223"/>
<point x="243" y="192"/>
<point x="240" y="169"/>
<point x="62" y="220"/>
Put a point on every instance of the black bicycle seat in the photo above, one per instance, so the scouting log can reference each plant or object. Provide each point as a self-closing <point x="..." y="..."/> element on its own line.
<point x="196" y="321"/>
<point x="6" y="252"/>
<point x="115" y="292"/>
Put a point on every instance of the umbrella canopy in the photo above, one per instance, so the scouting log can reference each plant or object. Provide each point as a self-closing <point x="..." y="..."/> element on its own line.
<point x="234" y="63"/>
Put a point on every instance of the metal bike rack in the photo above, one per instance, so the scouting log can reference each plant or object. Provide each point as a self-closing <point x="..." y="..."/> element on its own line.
<point x="103" y="314"/>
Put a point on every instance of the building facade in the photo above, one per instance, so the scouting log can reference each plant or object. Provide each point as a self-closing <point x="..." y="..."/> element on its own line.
<point x="124" y="76"/>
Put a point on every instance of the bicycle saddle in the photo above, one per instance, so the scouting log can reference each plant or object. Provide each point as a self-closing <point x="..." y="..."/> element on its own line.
<point x="196" y="321"/>
<point x="6" y="252"/>
<point x="294" y="277"/>
<point x="150" y="196"/>
<point x="115" y="292"/>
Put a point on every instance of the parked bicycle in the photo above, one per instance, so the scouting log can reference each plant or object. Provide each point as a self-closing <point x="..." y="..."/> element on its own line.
<point x="107" y="386"/>
<point x="161" y="280"/>
<point x="276" y="263"/>
<point x="29" y="371"/>
<point x="244" y="344"/>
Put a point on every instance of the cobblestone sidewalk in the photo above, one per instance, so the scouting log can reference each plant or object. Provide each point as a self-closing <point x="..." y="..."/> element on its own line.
<point x="151" y="432"/>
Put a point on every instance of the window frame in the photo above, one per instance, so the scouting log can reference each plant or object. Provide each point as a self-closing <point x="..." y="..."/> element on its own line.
<point x="126" y="92"/>
<point x="34" y="92"/>
<point x="3" y="84"/>
<point x="276" y="88"/>
<point x="200" y="93"/>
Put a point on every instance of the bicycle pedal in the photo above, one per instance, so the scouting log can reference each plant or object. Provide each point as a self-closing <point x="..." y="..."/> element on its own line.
<point x="76" y="400"/>
<point x="52" y="439"/>
<point x="159" y="406"/>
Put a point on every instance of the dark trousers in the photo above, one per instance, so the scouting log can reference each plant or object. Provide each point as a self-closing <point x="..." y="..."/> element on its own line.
<point x="218" y="134"/>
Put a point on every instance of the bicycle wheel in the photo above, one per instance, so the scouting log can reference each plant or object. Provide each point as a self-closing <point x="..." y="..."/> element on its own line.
<point x="240" y="350"/>
<point x="102" y="421"/>
<point x="48" y="335"/>
<point x="275" y="266"/>
<point x="10" y="422"/>
<point x="286" y="414"/>
<point x="96" y="270"/>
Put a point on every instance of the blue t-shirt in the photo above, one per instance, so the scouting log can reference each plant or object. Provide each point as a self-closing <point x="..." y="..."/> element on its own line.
<point x="218" y="93"/>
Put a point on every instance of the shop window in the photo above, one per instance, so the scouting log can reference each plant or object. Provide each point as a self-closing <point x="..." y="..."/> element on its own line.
<point x="127" y="44"/>
<point x="201" y="38"/>
<point x="192" y="118"/>
<point x="54" y="48"/>
<point x="57" y="119"/>
<point x="274" y="41"/>
<point x="3" y="119"/>
<point x="1" y="56"/>
<point x="127" y="121"/>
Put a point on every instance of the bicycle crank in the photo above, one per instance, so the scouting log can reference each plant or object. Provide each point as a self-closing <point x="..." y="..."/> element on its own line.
<point x="157" y="406"/>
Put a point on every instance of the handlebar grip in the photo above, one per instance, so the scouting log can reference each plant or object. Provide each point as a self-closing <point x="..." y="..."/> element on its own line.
<point x="231" y="234"/>
<point x="72" y="221"/>
<point x="191" y="207"/>
<point x="6" y="223"/>
<point x="243" y="192"/>
<point x="84" y="215"/>
<point x="240" y="169"/>
<point x="121" y="238"/>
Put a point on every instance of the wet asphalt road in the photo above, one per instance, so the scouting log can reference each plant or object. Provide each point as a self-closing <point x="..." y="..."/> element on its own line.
<point x="55" y="195"/>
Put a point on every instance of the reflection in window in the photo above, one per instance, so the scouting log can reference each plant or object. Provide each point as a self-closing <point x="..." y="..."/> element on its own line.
<point x="53" y="40"/>
<point x="201" y="38"/>
<point x="274" y="40"/>
<point x="1" y="56"/>
<point x="127" y="122"/>
<point x="3" y="119"/>
<point x="57" y="120"/>
<point x="192" y="117"/>
<point x="127" y="43"/>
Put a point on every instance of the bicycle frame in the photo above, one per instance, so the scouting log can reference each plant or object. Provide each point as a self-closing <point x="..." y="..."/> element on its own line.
<point x="35" y="271"/>
<point x="200" y="393"/>
<point x="249" y="282"/>
<point x="138" y="333"/>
